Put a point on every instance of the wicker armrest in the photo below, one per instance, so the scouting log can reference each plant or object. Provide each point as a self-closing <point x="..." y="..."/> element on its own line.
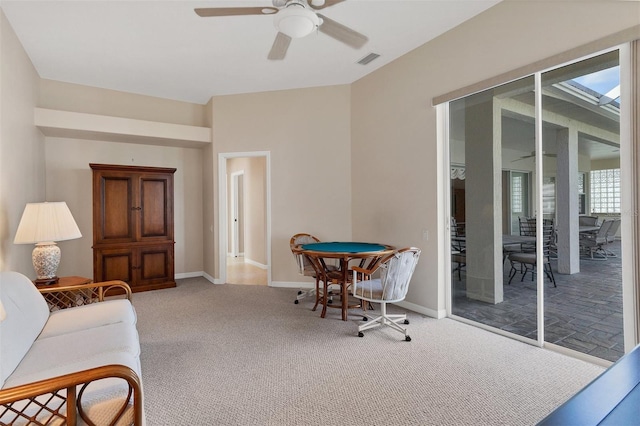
<point x="362" y="270"/>
<point x="52" y="391"/>
<point x="61" y="297"/>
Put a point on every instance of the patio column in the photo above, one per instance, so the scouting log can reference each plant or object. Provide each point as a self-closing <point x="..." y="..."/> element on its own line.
<point x="483" y="198"/>
<point x="567" y="208"/>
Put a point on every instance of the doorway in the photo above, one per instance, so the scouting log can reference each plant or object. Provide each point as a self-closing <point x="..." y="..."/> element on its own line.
<point x="244" y="224"/>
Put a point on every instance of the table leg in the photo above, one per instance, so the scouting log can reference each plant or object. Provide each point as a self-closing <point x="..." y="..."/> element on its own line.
<point x="324" y="295"/>
<point x="345" y="293"/>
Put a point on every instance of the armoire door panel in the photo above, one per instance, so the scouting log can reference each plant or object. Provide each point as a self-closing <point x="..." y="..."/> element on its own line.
<point x="156" y="264"/>
<point x="116" y="206"/>
<point x="154" y="207"/>
<point x="115" y="265"/>
<point x="153" y="265"/>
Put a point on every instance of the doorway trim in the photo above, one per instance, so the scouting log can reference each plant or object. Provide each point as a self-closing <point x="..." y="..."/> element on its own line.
<point x="222" y="209"/>
<point x="235" y="242"/>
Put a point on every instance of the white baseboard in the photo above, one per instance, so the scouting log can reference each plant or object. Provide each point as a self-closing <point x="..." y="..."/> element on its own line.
<point x="439" y="314"/>
<point x="292" y="284"/>
<point x="189" y="275"/>
<point x="303" y="284"/>
<point x="198" y="274"/>
<point x="254" y="263"/>
<point x="212" y="279"/>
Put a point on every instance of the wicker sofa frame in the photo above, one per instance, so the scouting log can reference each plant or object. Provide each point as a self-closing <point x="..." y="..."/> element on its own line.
<point x="64" y="391"/>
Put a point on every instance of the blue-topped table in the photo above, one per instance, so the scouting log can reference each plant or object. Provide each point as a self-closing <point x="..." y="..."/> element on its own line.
<point x="369" y="255"/>
<point x="345" y="247"/>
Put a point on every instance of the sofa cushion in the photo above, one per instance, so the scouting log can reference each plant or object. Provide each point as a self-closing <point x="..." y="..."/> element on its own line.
<point x="66" y="353"/>
<point x="85" y="317"/>
<point x="27" y="312"/>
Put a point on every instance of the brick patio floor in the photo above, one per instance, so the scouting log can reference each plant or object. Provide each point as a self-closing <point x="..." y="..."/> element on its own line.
<point x="584" y="311"/>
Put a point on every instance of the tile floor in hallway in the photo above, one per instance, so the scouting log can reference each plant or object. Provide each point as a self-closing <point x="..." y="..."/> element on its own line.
<point x="243" y="273"/>
<point x="584" y="311"/>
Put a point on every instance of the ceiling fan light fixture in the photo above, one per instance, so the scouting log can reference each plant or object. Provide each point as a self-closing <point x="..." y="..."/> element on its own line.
<point x="296" y="21"/>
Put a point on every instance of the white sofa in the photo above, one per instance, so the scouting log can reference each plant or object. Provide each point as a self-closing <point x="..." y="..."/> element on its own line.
<point x="86" y="357"/>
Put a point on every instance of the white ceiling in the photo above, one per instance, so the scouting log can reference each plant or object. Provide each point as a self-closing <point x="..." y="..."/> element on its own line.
<point x="163" y="49"/>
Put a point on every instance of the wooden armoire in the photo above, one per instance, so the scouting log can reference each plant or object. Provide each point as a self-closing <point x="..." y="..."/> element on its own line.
<point x="133" y="225"/>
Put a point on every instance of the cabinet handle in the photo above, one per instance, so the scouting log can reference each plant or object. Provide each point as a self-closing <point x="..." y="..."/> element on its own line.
<point x="136" y="208"/>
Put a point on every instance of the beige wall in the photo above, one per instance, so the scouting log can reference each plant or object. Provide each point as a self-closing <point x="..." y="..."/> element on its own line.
<point x="308" y="133"/>
<point x="22" y="159"/>
<point x="393" y="140"/>
<point x="69" y="179"/>
<point x="92" y="100"/>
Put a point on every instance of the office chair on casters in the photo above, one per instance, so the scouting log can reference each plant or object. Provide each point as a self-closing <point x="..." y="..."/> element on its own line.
<point x="395" y="274"/>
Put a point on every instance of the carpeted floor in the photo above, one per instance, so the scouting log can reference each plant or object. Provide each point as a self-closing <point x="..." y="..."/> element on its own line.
<point x="247" y="355"/>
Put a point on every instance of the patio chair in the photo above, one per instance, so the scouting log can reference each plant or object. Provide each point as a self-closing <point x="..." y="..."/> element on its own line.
<point x="459" y="258"/>
<point x="527" y="262"/>
<point x="527" y="229"/>
<point x="611" y="236"/>
<point x="391" y="287"/>
<point x="593" y="245"/>
<point x="588" y="221"/>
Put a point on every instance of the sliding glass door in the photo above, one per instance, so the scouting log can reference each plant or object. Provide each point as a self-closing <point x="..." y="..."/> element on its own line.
<point x="581" y="141"/>
<point x="527" y="212"/>
<point x="491" y="134"/>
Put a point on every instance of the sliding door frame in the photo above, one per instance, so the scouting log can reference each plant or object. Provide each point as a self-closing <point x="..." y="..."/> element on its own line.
<point x="629" y="58"/>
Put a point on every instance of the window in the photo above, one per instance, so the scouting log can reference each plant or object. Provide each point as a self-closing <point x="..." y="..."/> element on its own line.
<point x="549" y="195"/>
<point x="605" y="191"/>
<point x="582" y="196"/>
<point x="517" y="191"/>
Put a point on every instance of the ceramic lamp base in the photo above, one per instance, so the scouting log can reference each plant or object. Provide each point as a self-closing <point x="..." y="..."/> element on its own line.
<point x="46" y="258"/>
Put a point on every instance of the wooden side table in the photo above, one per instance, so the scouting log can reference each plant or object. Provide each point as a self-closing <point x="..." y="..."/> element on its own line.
<point x="66" y="299"/>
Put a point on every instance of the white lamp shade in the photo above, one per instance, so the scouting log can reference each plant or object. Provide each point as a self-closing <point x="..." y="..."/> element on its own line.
<point x="296" y="21"/>
<point x="43" y="222"/>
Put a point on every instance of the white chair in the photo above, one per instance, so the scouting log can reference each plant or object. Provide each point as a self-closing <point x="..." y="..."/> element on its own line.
<point x="594" y="244"/>
<point x="391" y="287"/>
<point x="611" y="236"/>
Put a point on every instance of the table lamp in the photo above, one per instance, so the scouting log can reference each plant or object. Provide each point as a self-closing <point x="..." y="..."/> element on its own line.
<point x="43" y="224"/>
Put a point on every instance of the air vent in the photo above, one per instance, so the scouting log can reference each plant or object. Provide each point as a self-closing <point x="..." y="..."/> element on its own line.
<point x="369" y="58"/>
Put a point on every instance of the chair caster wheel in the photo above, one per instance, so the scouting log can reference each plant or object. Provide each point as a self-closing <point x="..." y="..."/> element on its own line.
<point x="365" y="319"/>
<point x="296" y="302"/>
<point x="360" y="334"/>
<point x="299" y="292"/>
<point x="329" y="302"/>
<point x="406" y="321"/>
<point x="407" y="338"/>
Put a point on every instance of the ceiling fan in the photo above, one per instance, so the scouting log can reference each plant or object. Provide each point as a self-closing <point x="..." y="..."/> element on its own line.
<point x="533" y="154"/>
<point x="294" y="19"/>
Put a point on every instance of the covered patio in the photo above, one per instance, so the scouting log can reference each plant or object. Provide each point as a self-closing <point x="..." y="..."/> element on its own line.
<point x="583" y="313"/>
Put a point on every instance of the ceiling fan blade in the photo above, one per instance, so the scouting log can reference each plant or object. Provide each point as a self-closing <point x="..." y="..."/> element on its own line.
<point x="234" y="11"/>
<point x="327" y="3"/>
<point x="279" y="48"/>
<point x="533" y="154"/>
<point x="341" y="33"/>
